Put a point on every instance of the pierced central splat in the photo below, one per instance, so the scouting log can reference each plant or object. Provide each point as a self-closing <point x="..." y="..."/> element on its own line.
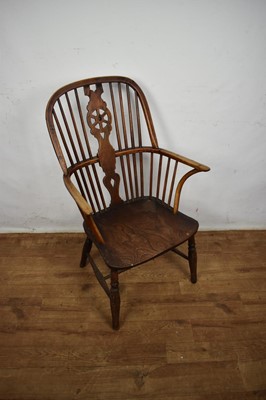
<point x="100" y="122"/>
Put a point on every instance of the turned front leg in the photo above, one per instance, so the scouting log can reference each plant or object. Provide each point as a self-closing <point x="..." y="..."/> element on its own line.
<point x="192" y="259"/>
<point x="85" y="252"/>
<point x="115" y="299"/>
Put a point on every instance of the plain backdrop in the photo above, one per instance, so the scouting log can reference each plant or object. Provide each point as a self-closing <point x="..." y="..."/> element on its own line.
<point x="202" y="66"/>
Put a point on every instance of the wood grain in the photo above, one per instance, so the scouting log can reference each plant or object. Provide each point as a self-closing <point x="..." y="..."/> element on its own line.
<point x="177" y="341"/>
<point x="134" y="219"/>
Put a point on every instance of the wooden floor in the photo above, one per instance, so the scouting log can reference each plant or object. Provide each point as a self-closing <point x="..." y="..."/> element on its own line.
<point x="177" y="340"/>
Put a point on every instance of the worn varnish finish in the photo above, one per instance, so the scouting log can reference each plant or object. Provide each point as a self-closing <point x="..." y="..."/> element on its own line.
<point x="177" y="340"/>
<point x="126" y="187"/>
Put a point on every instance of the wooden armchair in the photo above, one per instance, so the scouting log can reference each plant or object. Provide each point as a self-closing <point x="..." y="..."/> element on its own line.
<point x="126" y="187"/>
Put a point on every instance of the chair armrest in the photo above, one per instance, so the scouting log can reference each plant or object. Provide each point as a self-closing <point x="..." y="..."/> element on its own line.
<point x="79" y="199"/>
<point x="196" y="167"/>
<point x="84" y="208"/>
<point x="191" y="163"/>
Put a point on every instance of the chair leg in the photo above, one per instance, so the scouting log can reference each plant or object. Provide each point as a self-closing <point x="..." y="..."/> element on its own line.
<point x="85" y="252"/>
<point x="192" y="259"/>
<point x="115" y="299"/>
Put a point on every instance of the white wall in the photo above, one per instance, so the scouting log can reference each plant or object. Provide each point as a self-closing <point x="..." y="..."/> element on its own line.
<point x="202" y="65"/>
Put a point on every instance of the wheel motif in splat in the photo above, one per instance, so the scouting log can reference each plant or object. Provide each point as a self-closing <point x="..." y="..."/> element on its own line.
<point x="99" y="121"/>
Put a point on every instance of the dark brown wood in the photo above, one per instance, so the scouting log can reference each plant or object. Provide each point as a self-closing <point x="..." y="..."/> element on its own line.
<point x="85" y="252"/>
<point x="180" y="253"/>
<point x="124" y="128"/>
<point x="166" y="179"/>
<point x="125" y="136"/>
<point x="141" y="174"/>
<point x="192" y="259"/>
<point x="172" y="183"/>
<point x="151" y="175"/>
<point x="115" y="299"/>
<point x="132" y="139"/>
<point x="100" y="122"/>
<point x="138" y="120"/>
<point x="94" y="174"/>
<point x="99" y="276"/>
<point x="159" y="174"/>
<point x="138" y="231"/>
<point x="126" y="187"/>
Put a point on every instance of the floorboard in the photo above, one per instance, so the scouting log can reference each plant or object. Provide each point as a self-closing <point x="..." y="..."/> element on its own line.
<point x="177" y="341"/>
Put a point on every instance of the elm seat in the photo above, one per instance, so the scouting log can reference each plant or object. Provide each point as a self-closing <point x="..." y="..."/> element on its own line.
<point x="126" y="187"/>
<point x="131" y="239"/>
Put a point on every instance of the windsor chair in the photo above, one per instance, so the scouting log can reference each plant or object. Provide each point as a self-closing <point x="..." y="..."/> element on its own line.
<point x="126" y="187"/>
